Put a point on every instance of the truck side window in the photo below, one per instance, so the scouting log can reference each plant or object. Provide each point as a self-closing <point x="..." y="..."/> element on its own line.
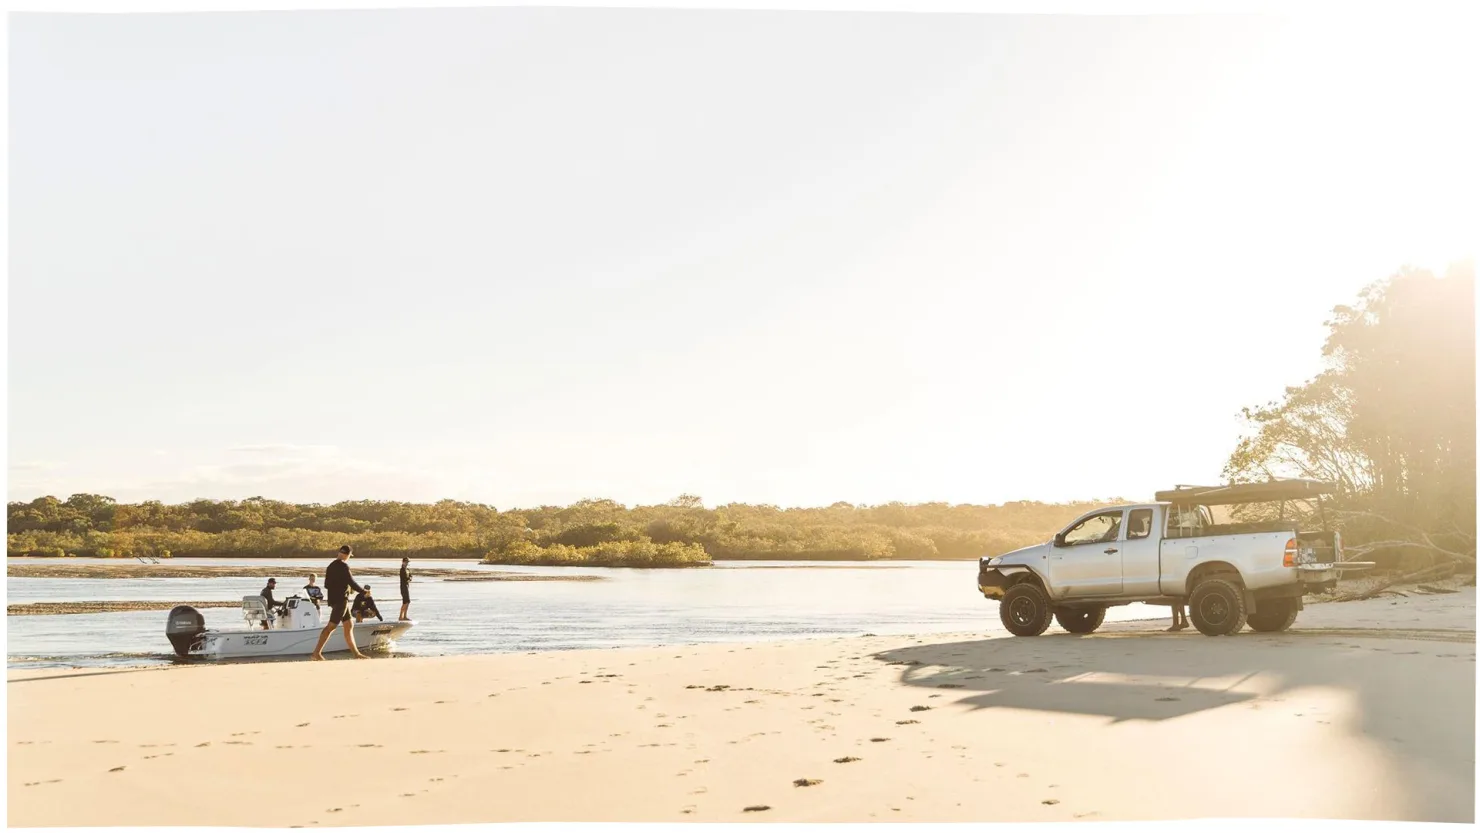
<point x="1096" y="529"/>
<point x="1140" y="524"/>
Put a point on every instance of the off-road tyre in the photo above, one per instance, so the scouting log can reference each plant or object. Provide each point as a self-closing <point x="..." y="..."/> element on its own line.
<point x="1216" y="607"/>
<point x="1274" y="616"/>
<point x="1025" y="610"/>
<point x="1083" y="620"/>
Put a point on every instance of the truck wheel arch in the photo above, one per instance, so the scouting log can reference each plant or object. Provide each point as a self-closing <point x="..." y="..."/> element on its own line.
<point x="1221" y="569"/>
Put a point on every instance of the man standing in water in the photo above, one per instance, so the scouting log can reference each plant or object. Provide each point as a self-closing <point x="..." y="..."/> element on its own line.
<point x="405" y="587"/>
<point x="337" y="583"/>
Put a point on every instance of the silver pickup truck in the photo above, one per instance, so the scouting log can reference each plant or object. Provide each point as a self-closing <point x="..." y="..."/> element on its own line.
<point x="1255" y="568"/>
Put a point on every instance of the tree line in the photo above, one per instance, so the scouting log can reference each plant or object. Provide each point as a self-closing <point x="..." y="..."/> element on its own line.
<point x="595" y="532"/>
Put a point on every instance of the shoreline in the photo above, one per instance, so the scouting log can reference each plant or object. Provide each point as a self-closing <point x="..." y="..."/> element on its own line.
<point x="941" y="727"/>
<point x="165" y="570"/>
<point x="107" y="606"/>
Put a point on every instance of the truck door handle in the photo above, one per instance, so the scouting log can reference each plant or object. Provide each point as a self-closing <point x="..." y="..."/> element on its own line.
<point x="1111" y="551"/>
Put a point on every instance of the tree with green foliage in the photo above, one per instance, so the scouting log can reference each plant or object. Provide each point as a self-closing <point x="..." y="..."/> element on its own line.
<point x="1391" y="420"/>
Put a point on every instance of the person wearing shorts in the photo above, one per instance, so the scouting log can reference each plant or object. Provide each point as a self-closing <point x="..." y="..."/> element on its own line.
<point x="337" y="584"/>
<point x="405" y="587"/>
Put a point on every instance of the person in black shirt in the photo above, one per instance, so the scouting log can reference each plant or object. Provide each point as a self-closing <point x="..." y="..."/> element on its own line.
<point x="266" y="594"/>
<point x="405" y="587"/>
<point x="337" y="584"/>
<point x="365" y="606"/>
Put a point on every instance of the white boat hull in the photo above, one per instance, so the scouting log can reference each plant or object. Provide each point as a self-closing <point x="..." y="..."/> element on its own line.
<point x="369" y="636"/>
<point x="293" y="632"/>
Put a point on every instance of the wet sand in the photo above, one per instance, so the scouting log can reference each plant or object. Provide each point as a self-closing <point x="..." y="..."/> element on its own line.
<point x="63" y="608"/>
<point x="1365" y="711"/>
<point x="33" y="569"/>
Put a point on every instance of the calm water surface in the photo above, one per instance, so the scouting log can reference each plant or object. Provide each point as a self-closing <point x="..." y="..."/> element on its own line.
<point x="731" y="602"/>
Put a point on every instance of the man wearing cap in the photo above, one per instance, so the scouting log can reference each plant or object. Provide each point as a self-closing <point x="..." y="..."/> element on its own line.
<point x="271" y="602"/>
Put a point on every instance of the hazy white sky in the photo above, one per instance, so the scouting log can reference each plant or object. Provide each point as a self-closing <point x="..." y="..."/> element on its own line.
<point x="532" y="255"/>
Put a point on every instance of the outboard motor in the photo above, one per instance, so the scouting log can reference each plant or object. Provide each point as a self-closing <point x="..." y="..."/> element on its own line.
<point x="185" y="627"/>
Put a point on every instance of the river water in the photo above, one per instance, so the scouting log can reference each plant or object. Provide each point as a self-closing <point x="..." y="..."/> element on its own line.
<point x="730" y="602"/>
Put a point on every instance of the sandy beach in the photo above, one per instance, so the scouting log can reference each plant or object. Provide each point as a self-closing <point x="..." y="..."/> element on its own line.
<point x="1365" y="711"/>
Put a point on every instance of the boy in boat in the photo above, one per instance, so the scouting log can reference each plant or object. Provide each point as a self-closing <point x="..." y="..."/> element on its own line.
<point x="314" y="592"/>
<point x="337" y="583"/>
<point x="405" y="587"/>
<point x="365" y="606"/>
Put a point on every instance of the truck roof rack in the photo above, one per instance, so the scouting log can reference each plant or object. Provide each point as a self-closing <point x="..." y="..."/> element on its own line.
<point x="1293" y="489"/>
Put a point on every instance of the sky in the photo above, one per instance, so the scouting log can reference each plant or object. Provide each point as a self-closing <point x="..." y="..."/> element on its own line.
<point x="522" y="256"/>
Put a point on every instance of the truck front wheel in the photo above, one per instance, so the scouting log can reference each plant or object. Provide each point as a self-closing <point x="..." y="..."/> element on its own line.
<point x="1025" y="610"/>
<point x="1216" y="607"/>
<point x="1274" y="615"/>
<point x="1084" y="620"/>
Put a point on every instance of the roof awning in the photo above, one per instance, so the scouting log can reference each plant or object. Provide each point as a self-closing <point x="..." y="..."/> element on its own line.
<point x="1248" y="492"/>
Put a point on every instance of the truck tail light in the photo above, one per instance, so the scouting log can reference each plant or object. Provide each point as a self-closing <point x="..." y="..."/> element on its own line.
<point x="1292" y="549"/>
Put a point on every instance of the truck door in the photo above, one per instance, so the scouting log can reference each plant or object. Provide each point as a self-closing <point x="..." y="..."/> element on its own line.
<point x="1140" y="554"/>
<point x="1085" y="560"/>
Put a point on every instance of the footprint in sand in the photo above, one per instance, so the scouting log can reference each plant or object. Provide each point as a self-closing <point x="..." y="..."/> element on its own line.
<point x="757" y="808"/>
<point x="1049" y="801"/>
<point x="950" y="685"/>
<point x="877" y="740"/>
<point x="905" y="722"/>
<point x="301" y="725"/>
<point x="806" y="782"/>
<point x="199" y="745"/>
<point x="1168" y="699"/>
<point x="919" y="708"/>
<point x="118" y="769"/>
<point x="846" y="760"/>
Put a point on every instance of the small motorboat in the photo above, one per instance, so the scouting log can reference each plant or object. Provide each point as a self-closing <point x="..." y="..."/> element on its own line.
<point x="294" y="632"/>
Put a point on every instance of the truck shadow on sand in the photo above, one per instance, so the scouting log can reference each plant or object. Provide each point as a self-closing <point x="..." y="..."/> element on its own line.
<point x="1413" y="696"/>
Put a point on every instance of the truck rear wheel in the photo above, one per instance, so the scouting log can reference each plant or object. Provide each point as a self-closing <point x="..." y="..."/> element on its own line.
<point x="1025" y="610"/>
<point x="1274" y="615"/>
<point x="1083" y="620"/>
<point x="1216" y="607"/>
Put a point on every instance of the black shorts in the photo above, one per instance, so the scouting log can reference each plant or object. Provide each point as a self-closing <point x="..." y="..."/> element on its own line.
<point x="338" y="612"/>
<point x="405" y="596"/>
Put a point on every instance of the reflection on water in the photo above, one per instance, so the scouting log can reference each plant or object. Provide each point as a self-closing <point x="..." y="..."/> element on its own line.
<point x="732" y="602"/>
